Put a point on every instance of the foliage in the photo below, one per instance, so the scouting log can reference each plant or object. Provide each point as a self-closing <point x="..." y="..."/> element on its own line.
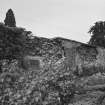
<point x="98" y="34"/>
<point x="13" y="42"/>
<point x="10" y="19"/>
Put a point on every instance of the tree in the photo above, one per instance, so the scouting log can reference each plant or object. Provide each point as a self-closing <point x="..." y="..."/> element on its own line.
<point x="10" y="19"/>
<point x="13" y="42"/>
<point x="97" y="34"/>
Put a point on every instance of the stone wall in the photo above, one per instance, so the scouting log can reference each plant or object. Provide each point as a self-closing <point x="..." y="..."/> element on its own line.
<point x="79" y="57"/>
<point x="83" y="58"/>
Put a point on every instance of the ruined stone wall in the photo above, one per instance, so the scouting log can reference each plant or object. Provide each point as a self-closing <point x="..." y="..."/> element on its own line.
<point x="78" y="56"/>
<point x="84" y="58"/>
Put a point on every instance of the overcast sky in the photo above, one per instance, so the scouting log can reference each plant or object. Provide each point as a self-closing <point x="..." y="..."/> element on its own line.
<point x="51" y="18"/>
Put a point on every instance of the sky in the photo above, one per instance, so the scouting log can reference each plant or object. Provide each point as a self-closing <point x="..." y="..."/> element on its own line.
<point x="70" y="19"/>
